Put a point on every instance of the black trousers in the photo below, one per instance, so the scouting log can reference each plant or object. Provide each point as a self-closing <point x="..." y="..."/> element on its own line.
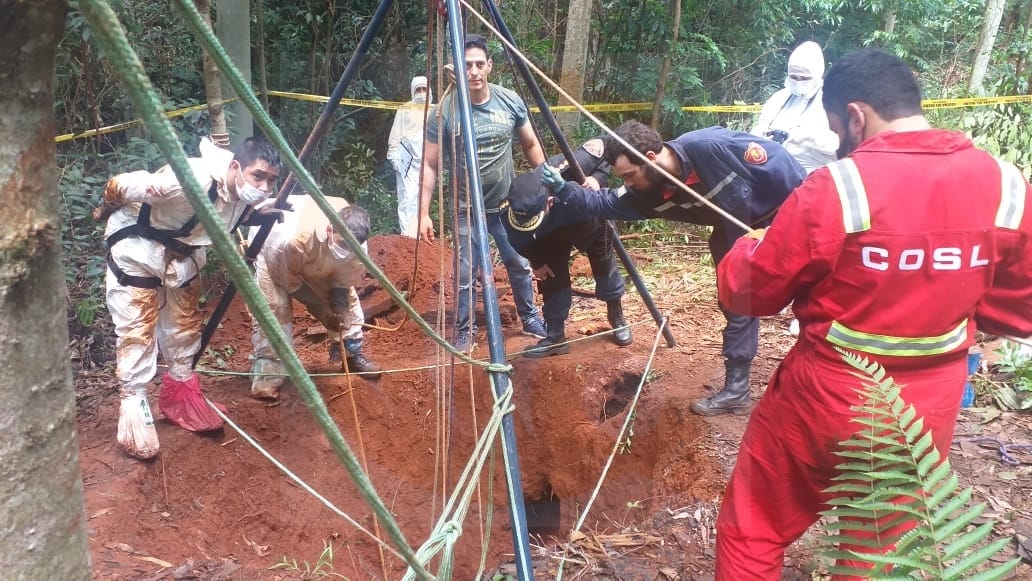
<point x="553" y="249"/>
<point x="741" y="333"/>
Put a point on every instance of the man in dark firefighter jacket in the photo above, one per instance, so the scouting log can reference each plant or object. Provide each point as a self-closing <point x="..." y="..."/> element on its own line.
<point x="746" y="176"/>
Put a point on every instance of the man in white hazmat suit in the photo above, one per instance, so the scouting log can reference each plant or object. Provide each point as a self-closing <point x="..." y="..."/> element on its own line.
<point x="155" y="251"/>
<point x="794" y="116"/>
<point x="405" y="152"/>
<point x="305" y="259"/>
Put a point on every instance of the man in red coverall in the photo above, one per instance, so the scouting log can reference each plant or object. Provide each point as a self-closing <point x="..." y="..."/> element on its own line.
<point x="898" y="251"/>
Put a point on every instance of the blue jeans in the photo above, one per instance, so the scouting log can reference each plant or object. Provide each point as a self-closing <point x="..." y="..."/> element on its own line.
<point x="517" y="267"/>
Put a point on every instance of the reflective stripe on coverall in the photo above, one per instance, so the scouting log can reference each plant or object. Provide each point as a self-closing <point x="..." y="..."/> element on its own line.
<point x="899" y="269"/>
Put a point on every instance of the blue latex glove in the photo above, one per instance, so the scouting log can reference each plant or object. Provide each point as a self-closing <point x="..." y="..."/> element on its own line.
<point x="552" y="179"/>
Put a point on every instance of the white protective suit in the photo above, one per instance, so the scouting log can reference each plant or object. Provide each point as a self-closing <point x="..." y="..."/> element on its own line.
<point x="297" y="261"/>
<point x="797" y="110"/>
<point x="405" y="152"/>
<point x="166" y="318"/>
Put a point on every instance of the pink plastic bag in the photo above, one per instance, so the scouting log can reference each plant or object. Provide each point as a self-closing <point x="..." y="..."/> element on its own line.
<point x="182" y="403"/>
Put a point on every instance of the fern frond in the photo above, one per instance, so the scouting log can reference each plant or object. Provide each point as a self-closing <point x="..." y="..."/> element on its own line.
<point x="896" y="491"/>
<point x="996" y="573"/>
<point x="974" y="559"/>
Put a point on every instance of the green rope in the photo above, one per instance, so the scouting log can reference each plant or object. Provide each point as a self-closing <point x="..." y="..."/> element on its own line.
<point x="240" y="86"/>
<point x="111" y="38"/>
<point x="449" y="526"/>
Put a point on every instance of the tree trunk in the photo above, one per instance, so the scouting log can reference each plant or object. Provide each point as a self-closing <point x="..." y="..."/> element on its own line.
<point x="664" y="69"/>
<point x="234" y="32"/>
<point x="213" y="86"/>
<point x="889" y="20"/>
<point x="263" y="79"/>
<point x="575" y="55"/>
<point x="1026" y="34"/>
<point x="986" y="42"/>
<point x="42" y="516"/>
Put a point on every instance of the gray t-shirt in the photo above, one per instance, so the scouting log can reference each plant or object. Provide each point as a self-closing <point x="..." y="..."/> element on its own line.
<point x="494" y="123"/>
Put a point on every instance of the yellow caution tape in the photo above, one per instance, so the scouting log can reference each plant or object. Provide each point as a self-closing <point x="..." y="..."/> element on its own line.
<point x="594" y="108"/>
<point x="133" y="123"/>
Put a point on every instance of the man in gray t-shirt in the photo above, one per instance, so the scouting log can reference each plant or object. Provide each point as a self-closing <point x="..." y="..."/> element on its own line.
<point x="498" y="115"/>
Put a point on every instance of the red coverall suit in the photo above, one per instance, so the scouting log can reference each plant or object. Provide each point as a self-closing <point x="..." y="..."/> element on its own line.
<point x="898" y="252"/>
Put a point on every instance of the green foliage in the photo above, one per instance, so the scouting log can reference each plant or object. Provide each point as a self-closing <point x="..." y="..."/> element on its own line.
<point x="322" y="569"/>
<point x="1013" y="388"/>
<point x="897" y="494"/>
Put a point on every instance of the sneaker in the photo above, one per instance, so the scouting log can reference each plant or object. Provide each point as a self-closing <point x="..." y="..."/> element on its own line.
<point x="357" y="362"/>
<point x="535" y="327"/>
<point x="464" y="340"/>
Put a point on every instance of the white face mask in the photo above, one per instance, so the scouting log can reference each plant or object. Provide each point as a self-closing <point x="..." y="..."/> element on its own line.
<point x="801" y="88"/>
<point x="339" y="252"/>
<point x="247" y="193"/>
<point x="419" y="98"/>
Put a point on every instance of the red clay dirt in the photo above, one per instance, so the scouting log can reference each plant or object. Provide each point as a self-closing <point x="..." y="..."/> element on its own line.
<point x="210" y="507"/>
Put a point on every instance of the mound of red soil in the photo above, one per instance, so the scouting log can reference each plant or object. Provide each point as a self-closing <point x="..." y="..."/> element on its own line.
<point x="211" y="505"/>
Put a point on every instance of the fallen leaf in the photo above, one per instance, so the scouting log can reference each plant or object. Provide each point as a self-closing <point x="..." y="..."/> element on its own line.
<point x="99" y="513"/>
<point x="157" y="562"/>
<point x="260" y="550"/>
<point x="120" y="546"/>
<point x="577" y="536"/>
<point x="1006" y="476"/>
<point x="990" y="414"/>
<point x="668" y="572"/>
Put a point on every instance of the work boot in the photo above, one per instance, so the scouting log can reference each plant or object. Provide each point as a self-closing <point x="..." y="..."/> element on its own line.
<point x="734" y="398"/>
<point x="359" y="363"/>
<point x="622" y="333"/>
<point x="554" y="343"/>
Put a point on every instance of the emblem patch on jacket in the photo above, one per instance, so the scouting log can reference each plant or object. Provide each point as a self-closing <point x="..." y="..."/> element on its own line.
<point x="595" y="147"/>
<point x="755" y="154"/>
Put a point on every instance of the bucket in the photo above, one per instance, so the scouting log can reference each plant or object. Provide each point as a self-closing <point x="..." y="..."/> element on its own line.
<point x="968" y="399"/>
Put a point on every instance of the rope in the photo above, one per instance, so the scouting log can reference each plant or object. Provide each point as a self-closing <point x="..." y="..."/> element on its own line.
<point x="630" y="149"/>
<point x="297" y="480"/>
<point x="1003" y="449"/>
<point x="619" y="438"/>
<point x="111" y="38"/>
<point x="488" y="366"/>
<point x="449" y="526"/>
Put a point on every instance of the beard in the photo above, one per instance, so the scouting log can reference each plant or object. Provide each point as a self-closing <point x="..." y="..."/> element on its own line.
<point x="846" y="145"/>
<point x="653" y="177"/>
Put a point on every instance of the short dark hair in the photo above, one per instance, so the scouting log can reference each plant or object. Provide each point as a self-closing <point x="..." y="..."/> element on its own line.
<point x="875" y="77"/>
<point x="475" y="41"/>
<point x="638" y="135"/>
<point x="255" y="148"/>
<point x="357" y="220"/>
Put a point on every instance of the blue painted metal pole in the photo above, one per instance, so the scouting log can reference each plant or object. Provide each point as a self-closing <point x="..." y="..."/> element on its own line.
<point x="517" y="512"/>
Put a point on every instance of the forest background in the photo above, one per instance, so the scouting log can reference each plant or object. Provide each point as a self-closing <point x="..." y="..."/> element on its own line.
<point x="672" y="54"/>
